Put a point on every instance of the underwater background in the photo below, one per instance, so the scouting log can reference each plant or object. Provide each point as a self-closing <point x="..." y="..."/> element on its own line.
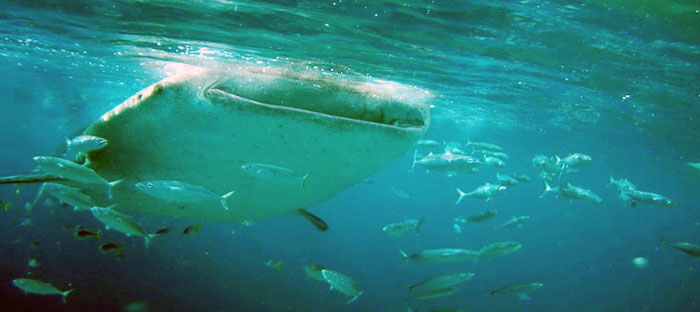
<point x="617" y="80"/>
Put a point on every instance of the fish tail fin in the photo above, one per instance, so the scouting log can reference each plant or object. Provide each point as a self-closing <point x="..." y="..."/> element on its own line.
<point x="547" y="189"/>
<point x="461" y="195"/>
<point x="524" y="297"/>
<point x="415" y="159"/>
<point x="111" y="185"/>
<point x="66" y="293"/>
<point x="420" y="222"/>
<point x="611" y="180"/>
<point x="404" y="256"/>
<point x="147" y="240"/>
<point x="304" y="179"/>
<point x="354" y="298"/>
<point x="37" y="198"/>
<point x="225" y="197"/>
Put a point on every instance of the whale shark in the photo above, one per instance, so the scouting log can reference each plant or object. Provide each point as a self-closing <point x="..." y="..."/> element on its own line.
<point x="201" y="126"/>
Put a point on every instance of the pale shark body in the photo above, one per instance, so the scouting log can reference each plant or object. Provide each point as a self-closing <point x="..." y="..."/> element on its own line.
<point x="201" y="127"/>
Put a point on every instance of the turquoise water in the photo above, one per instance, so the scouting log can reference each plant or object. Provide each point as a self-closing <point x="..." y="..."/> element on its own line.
<point x="617" y="80"/>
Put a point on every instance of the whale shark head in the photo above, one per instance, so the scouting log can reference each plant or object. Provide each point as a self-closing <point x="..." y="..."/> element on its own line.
<point x="200" y="127"/>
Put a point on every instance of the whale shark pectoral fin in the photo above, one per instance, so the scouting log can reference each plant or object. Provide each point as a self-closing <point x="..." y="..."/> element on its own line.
<point x="29" y="178"/>
<point x="316" y="221"/>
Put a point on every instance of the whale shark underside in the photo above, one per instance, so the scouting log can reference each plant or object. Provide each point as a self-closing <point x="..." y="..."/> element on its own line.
<point x="201" y="126"/>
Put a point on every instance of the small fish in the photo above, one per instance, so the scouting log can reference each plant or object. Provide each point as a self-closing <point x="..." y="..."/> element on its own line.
<point x="484" y="192"/>
<point x="500" y="155"/>
<point x="176" y="191"/>
<point x="348" y="286"/>
<point x="37" y="287"/>
<point x="70" y="170"/>
<point x="400" y="228"/>
<point x="522" y="177"/>
<point x="163" y="231"/>
<point x="494" y="161"/>
<point x="485" y="146"/>
<point x="497" y="249"/>
<point x="275" y="265"/>
<point x="276" y="174"/>
<point x="637" y="196"/>
<point x="623" y="185"/>
<point x="69" y="195"/>
<point x="479" y="217"/>
<point x="447" y="162"/>
<point x="33" y="262"/>
<point x="85" y="143"/>
<point x="441" y="282"/>
<point x="313" y="271"/>
<point x="111" y="248"/>
<point x="5" y="205"/>
<point x="522" y="290"/>
<point x="84" y="234"/>
<point x="577" y="160"/>
<point x="437" y="293"/>
<point x="191" y="228"/>
<point x="571" y="192"/>
<point x="457" y="228"/>
<point x="504" y="179"/>
<point x="428" y="143"/>
<point x="688" y="248"/>
<point x="115" y="220"/>
<point x="444" y="255"/>
<point x="400" y="193"/>
<point x="514" y="222"/>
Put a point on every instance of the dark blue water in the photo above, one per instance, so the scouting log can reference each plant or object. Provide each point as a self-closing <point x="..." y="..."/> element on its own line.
<point x="617" y="80"/>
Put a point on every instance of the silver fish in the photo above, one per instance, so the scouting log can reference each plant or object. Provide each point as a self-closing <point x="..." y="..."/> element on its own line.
<point x="485" y="146"/>
<point x="399" y="228"/>
<point x="69" y="195"/>
<point x="176" y="191"/>
<point x="444" y="255"/>
<point x="497" y="249"/>
<point x="437" y="293"/>
<point x="118" y="221"/>
<point x="447" y="162"/>
<point x="440" y="282"/>
<point x="33" y="286"/>
<point x="479" y="217"/>
<point x="571" y="192"/>
<point x="494" y="161"/>
<point x="348" y="286"/>
<point x="70" y="170"/>
<point x="521" y="290"/>
<point x="484" y="192"/>
<point x="514" y="222"/>
<point x="85" y="143"/>
<point x="276" y="174"/>
<point x="504" y="179"/>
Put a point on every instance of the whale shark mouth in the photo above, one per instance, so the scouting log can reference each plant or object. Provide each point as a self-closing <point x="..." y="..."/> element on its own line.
<point x="391" y="105"/>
